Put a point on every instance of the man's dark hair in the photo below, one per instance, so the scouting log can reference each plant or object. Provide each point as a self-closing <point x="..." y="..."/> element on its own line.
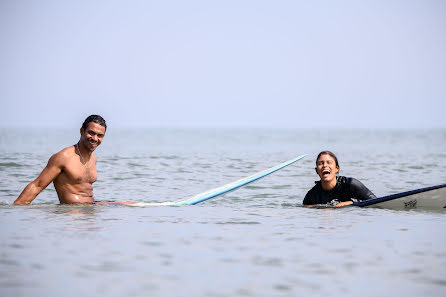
<point x="95" y="119"/>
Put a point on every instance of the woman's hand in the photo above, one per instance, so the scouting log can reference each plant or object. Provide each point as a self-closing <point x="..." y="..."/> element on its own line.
<point x="340" y="204"/>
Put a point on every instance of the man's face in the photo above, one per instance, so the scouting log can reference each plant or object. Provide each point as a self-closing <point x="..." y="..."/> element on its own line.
<point x="326" y="168"/>
<point x="92" y="136"/>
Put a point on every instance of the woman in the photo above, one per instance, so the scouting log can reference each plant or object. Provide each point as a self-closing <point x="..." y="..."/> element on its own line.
<point x="334" y="190"/>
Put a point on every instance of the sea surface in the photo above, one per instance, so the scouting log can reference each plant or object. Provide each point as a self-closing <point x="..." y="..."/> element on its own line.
<point x="256" y="241"/>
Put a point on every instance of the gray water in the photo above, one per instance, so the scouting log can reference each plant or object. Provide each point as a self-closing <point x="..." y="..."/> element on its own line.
<point x="256" y="241"/>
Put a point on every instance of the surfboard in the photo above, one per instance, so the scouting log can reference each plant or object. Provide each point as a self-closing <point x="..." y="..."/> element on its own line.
<point x="430" y="197"/>
<point x="235" y="184"/>
<point x="225" y="188"/>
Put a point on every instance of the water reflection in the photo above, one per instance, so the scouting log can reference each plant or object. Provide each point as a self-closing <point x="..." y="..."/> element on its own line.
<point x="74" y="217"/>
<point x="82" y="210"/>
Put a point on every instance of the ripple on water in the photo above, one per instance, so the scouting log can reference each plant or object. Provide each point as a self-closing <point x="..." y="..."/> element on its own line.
<point x="238" y="223"/>
<point x="10" y="164"/>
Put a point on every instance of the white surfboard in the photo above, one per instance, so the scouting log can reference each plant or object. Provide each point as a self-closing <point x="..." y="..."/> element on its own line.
<point x="430" y="197"/>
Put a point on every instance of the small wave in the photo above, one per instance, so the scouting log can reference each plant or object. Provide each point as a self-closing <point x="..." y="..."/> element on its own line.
<point x="11" y="164"/>
<point x="238" y="223"/>
<point x="252" y="187"/>
<point x="134" y="165"/>
<point x="415" y="167"/>
<point x="292" y="205"/>
<point x="172" y="157"/>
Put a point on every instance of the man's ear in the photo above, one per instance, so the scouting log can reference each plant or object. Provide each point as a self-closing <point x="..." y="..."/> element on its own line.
<point x="82" y="131"/>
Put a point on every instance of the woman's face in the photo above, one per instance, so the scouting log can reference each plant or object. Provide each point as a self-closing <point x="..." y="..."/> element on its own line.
<point x="326" y="168"/>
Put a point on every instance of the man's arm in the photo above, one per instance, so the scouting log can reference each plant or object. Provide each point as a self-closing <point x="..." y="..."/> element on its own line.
<point x="49" y="173"/>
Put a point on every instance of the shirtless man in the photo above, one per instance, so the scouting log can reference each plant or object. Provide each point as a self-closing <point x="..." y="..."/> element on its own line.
<point x="73" y="169"/>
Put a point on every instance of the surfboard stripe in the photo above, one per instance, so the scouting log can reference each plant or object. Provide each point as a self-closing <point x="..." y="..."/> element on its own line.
<point x="234" y="185"/>
<point x="396" y="196"/>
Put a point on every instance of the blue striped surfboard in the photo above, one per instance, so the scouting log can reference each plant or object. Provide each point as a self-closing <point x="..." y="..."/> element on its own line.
<point x="234" y="185"/>
<point x="222" y="189"/>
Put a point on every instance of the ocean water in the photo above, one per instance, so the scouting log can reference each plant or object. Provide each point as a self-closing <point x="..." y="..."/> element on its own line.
<point x="256" y="241"/>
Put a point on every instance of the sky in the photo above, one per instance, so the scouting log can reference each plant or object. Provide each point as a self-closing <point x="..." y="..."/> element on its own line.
<point x="279" y="64"/>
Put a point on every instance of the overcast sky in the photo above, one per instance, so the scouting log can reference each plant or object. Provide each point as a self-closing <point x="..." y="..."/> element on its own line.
<point x="295" y="64"/>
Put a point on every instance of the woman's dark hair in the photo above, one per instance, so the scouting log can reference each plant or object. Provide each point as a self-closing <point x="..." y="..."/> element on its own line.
<point x="330" y="154"/>
<point x="95" y="119"/>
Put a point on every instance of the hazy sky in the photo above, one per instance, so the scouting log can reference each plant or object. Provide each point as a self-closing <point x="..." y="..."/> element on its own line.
<point x="309" y="64"/>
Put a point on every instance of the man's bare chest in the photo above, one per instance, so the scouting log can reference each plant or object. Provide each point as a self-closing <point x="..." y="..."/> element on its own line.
<point x="78" y="174"/>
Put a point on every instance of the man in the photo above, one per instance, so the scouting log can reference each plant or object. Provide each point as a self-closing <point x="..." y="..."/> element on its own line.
<point x="73" y="169"/>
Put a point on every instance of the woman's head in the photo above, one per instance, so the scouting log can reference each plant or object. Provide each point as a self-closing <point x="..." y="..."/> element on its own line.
<point x="327" y="166"/>
<point x="332" y="155"/>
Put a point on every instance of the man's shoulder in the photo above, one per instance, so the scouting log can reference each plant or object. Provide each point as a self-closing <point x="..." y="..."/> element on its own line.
<point x="63" y="155"/>
<point x="68" y="151"/>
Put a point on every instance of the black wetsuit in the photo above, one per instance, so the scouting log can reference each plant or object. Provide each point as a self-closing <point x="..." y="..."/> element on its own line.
<point x="346" y="189"/>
